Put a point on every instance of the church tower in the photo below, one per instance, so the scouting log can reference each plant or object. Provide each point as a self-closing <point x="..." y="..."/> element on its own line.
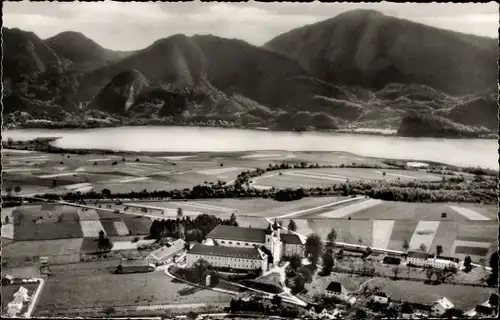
<point x="269" y="237"/>
<point x="276" y="228"/>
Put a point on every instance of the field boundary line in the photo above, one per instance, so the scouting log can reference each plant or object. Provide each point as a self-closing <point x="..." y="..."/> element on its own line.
<point x="320" y="207"/>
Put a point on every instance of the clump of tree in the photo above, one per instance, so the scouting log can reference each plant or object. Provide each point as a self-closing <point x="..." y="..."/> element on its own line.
<point x="292" y="226"/>
<point x="185" y="228"/>
<point x="493" y="278"/>
<point x="231" y="221"/>
<point x="331" y="238"/>
<point x="328" y="262"/>
<point x="467" y="264"/>
<point x="104" y="243"/>
<point x="313" y="248"/>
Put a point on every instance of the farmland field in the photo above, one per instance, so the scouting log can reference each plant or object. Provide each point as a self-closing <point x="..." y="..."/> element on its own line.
<point x="463" y="297"/>
<point x="88" y="285"/>
<point x="419" y="211"/>
<point x="322" y="177"/>
<point x="48" y="172"/>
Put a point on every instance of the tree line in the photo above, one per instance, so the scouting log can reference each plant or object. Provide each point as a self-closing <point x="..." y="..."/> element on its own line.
<point x="186" y="228"/>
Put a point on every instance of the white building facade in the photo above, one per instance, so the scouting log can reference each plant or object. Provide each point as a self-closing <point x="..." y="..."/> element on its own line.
<point x="228" y="257"/>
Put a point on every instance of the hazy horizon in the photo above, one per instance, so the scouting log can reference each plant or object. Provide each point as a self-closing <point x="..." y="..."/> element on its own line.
<point x="253" y="22"/>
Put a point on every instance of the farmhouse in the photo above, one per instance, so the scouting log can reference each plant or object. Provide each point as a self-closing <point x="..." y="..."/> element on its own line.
<point x="167" y="253"/>
<point x="417" y="258"/>
<point x="483" y="311"/>
<point x="249" y="258"/>
<point x="380" y="297"/>
<point x="292" y="244"/>
<point x="442" y="262"/>
<point x="441" y="306"/>
<point x="336" y="289"/>
<point x="135" y="266"/>
<point x="238" y="237"/>
<point x="21" y="295"/>
<point x="422" y="259"/>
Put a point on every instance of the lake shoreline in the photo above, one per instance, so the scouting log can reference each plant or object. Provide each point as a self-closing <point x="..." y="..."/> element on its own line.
<point x="355" y="131"/>
<point x="148" y="140"/>
<point x="43" y="144"/>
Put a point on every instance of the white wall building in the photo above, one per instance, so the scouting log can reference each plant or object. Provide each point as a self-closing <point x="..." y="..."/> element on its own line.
<point x="336" y="289"/>
<point x="239" y="237"/>
<point x="166" y="253"/>
<point x="228" y="257"/>
<point x="441" y="306"/>
<point x="380" y="297"/>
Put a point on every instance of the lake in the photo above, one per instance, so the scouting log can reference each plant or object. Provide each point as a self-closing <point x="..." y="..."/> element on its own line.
<point x="460" y="152"/>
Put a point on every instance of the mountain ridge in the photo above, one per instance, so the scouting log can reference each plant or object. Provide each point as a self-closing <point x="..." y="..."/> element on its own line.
<point x="204" y="79"/>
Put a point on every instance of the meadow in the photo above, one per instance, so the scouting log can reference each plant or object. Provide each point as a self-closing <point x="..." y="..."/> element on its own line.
<point x="93" y="284"/>
<point x="57" y="173"/>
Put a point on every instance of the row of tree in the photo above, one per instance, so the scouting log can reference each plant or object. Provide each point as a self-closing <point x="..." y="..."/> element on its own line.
<point x="183" y="227"/>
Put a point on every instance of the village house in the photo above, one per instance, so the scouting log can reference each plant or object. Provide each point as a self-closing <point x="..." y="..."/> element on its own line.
<point x="167" y="253"/>
<point x="292" y="244"/>
<point x="21" y="295"/>
<point x="336" y="289"/>
<point x="13" y="308"/>
<point x="380" y="297"/>
<point x="416" y="258"/>
<point x="239" y="237"/>
<point x="441" y="306"/>
<point x="442" y="262"/>
<point x="484" y="311"/>
<point x="425" y="260"/>
<point x="407" y="311"/>
<point x="238" y="258"/>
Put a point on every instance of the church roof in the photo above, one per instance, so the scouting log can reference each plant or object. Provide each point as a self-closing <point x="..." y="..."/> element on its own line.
<point x="290" y="238"/>
<point x="231" y="252"/>
<point x="238" y="234"/>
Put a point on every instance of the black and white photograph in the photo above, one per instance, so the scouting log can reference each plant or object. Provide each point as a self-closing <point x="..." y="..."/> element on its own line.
<point x="251" y="160"/>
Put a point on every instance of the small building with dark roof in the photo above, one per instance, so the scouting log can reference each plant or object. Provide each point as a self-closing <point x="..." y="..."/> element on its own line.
<point x="336" y="289"/>
<point x="380" y="297"/>
<point x="292" y="244"/>
<point x="135" y="266"/>
<point x="228" y="257"/>
<point x="485" y="311"/>
<point x="493" y="300"/>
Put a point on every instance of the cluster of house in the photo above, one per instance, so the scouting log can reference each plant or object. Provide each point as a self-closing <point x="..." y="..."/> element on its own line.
<point x="15" y="307"/>
<point x="489" y="309"/>
<point x="245" y="248"/>
<point x="426" y="260"/>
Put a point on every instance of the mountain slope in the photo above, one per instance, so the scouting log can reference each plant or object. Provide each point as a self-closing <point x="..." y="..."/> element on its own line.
<point x="25" y="56"/>
<point x="82" y="51"/>
<point x="369" y="49"/>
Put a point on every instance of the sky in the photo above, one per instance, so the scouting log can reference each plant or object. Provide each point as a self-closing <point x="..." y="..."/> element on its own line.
<point x="133" y="25"/>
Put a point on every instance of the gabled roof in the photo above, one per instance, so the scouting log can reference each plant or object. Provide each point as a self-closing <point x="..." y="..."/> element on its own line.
<point x="290" y="238"/>
<point x="493" y="300"/>
<point x="335" y="287"/>
<point x="381" y="294"/>
<point x="167" y="251"/>
<point x="238" y="234"/>
<point x="417" y="255"/>
<point x="445" y="303"/>
<point x="484" y="309"/>
<point x="232" y="252"/>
